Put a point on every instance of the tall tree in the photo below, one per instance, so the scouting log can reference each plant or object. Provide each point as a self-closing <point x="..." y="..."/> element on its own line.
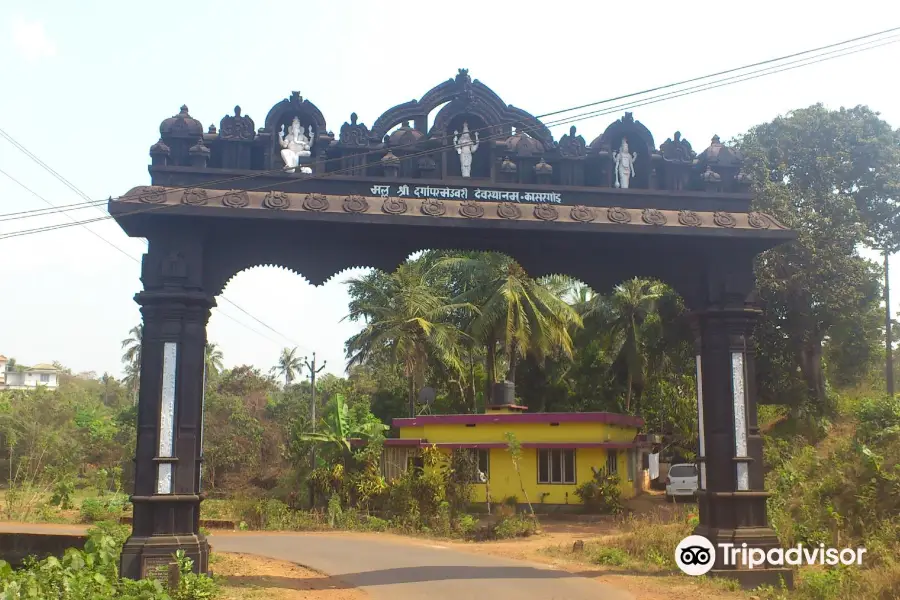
<point x="407" y="315"/>
<point x="289" y="365"/>
<point x="527" y="316"/>
<point x="132" y="358"/>
<point x="622" y="314"/>
<point x="214" y="358"/>
<point x="820" y="172"/>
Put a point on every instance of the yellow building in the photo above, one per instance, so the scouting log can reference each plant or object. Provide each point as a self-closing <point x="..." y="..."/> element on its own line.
<point x="560" y="451"/>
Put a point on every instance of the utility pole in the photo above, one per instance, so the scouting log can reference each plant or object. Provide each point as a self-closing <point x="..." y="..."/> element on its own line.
<point x="312" y="376"/>
<point x="888" y="342"/>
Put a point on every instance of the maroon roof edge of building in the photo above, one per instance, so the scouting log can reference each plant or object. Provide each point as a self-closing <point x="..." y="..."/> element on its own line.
<point x="590" y="417"/>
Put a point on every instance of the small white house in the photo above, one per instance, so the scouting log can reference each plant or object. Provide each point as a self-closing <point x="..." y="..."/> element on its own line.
<point x="43" y="375"/>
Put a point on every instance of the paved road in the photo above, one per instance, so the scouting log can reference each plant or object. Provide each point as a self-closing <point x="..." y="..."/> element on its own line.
<point x="405" y="570"/>
<point x="392" y="568"/>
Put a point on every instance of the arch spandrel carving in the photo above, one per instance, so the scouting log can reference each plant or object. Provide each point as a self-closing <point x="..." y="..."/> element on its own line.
<point x="487" y="105"/>
<point x="461" y="95"/>
<point x="408" y="111"/>
<point x="230" y="253"/>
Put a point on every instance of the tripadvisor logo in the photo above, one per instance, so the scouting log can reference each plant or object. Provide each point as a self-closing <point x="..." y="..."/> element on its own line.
<point x="696" y="555"/>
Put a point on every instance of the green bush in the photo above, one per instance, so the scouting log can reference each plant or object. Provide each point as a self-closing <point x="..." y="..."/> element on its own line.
<point x="441" y="523"/>
<point x="92" y="574"/>
<point x="601" y="494"/>
<point x="108" y="508"/>
<point x="508" y="527"/>
<point x="372" y="523"/>
<point x="613" y="557"/>
<point x="465" y="525"/>
<point x="274" y="515"/>
<point x="110" y="529"/>
<point x="62" y="494"/>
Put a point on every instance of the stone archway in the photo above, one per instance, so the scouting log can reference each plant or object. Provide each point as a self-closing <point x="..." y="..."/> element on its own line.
<point x="201" y="232"/>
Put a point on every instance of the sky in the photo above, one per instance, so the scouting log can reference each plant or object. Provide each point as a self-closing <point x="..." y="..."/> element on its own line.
<point x="85" y="85"/>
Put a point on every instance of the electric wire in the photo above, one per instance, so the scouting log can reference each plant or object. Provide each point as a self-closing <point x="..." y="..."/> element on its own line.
<point x="643" y="102"/>
<point x="126" y="254"/>
<point x="89" y="202"/>
<point x="670" y="95"/>
<point x="871" y="45"/>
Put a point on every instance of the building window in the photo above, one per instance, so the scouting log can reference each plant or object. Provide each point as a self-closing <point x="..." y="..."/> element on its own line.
<point x="631" y="464"/>
<point x="556" y="466"/>
<point x="479" y="462"/>
<point x="45" y="378"/>
<point x="484" y="462"/>
<point x="612" y="462"/>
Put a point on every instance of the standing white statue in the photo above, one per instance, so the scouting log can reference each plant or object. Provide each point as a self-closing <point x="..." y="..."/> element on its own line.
<point x="296" y="145"/>
<point x="624" y="165"/>
<point x="465" y="147"/>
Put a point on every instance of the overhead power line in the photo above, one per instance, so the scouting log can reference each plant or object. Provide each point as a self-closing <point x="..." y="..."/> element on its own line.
<point x="128" y="255"/>
<point x="643" y="102"/>
<point x="711" y="85"/>
<point x="677" y="93"/>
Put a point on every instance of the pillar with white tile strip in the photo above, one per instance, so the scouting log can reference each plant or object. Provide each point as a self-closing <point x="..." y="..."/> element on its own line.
<point x="166" y="496"/>
<point x="732" y="499"/>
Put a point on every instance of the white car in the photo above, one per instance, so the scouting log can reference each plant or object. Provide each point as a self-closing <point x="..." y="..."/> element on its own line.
<point x="682" y="481"/>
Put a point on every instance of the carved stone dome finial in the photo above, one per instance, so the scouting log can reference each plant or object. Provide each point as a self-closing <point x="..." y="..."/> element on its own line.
<point x="160" y="149"/>
<point x="522" y="144"/>
<point x="181" y="125"/>
<point x="199" y="148"/>
<point x="405" y="135"/>
<point x="720" y="155"/>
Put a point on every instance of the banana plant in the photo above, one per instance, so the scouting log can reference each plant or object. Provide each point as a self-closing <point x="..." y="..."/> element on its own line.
<point x="337" y="431"/>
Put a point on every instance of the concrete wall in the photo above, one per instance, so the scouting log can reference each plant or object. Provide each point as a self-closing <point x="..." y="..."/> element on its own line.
<point x="16" y="547"/>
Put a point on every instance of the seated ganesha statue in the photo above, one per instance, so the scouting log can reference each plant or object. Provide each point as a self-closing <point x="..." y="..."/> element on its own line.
<point x="295" y="146"/>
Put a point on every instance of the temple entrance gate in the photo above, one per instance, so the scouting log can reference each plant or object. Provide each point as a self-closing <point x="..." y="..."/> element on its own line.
<point x="292" y="194"/>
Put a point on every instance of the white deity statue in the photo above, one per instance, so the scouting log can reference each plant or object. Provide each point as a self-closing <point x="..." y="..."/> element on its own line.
<point x="623" y="162"/>
<point x="296" y="146"/>
<point x="465" y="147"/>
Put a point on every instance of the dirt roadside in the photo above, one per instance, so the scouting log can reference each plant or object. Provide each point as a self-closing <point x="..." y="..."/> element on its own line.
<point x="247" y="577"/>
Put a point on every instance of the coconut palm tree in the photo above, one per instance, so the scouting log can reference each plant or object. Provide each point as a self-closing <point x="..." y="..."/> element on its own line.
<point x="132" y="358"/>
<point x="525" y="315"/>
<point x="213" y="358"/>
<point x="622" y="314"/>
<point x="289" y="365"/>
<point x="408" y="317"/>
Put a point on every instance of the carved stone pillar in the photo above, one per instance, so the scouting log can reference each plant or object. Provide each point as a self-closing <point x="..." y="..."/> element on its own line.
<point x="166" y="495"/>
<point x="731" y="498"/>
